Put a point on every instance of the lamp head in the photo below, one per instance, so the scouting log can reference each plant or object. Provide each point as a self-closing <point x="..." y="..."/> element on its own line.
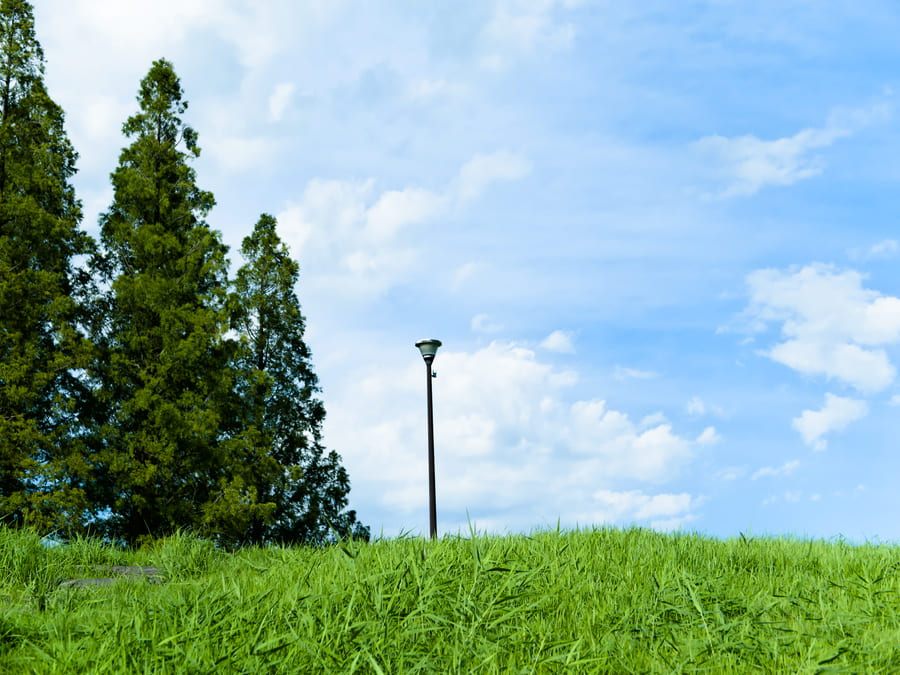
<point x="428" y="348"/>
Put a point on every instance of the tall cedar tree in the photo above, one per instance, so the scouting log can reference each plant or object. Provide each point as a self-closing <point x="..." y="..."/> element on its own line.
<point x="278" y="386"/>
<point x="43" y="467"/>
<point x="173" y="456"/>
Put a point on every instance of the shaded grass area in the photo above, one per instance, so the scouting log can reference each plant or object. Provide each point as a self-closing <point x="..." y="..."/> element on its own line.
<point x="603" y="600"/>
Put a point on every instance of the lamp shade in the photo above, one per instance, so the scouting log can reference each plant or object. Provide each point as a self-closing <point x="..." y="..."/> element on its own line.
<point x="428" y="347"/>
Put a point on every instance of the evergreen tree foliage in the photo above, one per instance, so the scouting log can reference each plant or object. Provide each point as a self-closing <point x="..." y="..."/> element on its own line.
<point x="172" y="454"/>
<point x="44" y="472"/>
<point x="278" y="388"/>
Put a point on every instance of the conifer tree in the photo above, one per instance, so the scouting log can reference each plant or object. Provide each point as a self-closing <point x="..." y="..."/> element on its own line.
<point x="278" y="389"/>
<point x="43" y="468"/>
<point x="170" y="451"/>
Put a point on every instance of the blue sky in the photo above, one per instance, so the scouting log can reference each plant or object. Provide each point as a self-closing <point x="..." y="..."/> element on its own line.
<point x="658" y="241"/>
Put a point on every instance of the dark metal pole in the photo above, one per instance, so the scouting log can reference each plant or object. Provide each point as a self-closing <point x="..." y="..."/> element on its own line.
<point x="432" y="502"/>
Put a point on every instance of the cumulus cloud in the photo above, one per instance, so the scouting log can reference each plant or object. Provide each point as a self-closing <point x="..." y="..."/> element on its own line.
<point x="784" y="470"/>
<point x="709" y="436"/>
<point x="867" y="370"/>
<point x="747" y="163"/>
<point x="511" y="444"/>
<point x="395" y="209"/>
<point x="832" y="325"/>
<point x="559" y="341"/>
<point x="836" y="414"/>
<point x="351" y="235"/>
<point x="665" y="511"/>
<point x="610" y="441"/>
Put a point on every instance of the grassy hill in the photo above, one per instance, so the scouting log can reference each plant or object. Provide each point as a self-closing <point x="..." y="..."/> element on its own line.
<point x="604" y="601"/>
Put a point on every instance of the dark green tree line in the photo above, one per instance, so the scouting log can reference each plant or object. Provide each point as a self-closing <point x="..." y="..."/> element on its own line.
<point x="165" y="368"/>
<point x="215" y="434"/>
<point x="278" y="388"/>
<point x="44" y="472"/>
<point x="145" y="391"/>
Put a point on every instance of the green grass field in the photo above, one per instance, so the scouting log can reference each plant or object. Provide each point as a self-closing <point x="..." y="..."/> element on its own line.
<point x="599" y="601"/>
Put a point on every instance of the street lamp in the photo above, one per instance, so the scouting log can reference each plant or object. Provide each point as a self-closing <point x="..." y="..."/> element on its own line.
<point x="429" y="349"/>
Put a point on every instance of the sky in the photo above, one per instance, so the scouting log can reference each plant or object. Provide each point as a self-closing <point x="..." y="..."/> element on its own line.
<point x="658" y="241"/>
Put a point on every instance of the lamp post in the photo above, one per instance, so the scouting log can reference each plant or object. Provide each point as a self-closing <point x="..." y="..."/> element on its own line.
<point x="429" y="349"/>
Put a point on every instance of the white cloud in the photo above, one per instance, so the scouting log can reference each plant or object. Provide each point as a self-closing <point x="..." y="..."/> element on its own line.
<point x="279" y="100"/>
<point x="351" y="238"/>
<point x="109" y="39"/>
<point x="559" y="341"/>
<point x="102" y="113"/>
<point x="730" y="473"/>
<point x="510" y="443"/>
<point x="257" y="30"/>
<point x="236" y="153"/>
<point x="348" y="239"/>
<point x="747" y="163"/>
<point x="623" y="373"/>
<point x="674" y="524"/>
<point x="830" y="322"/>
<point x="887" y="248"/>
<point x="518" y="27"/>
<point x="867" y="370"/>
<point x="784" y="470"/>
<point x="652" y="420"/>
<point x="396" y="209"/>
<point x="836" y="414"/>
<point x="695" y="406"/>
<point x="709" y="436"/>
<point x="145" y="26"/>
<point x="612" y="440"/>
<point x="612" y="506"/>
<point x="98" y="50"/>
<point x="482" y="323"/>
<point x="328" y="217"/>
<point x="482" y="170"/>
